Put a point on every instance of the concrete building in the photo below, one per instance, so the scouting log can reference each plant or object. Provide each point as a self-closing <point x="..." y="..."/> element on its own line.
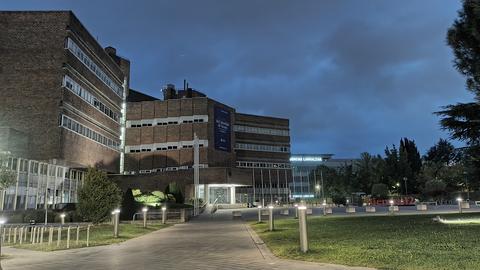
<point x="62" y="89"/>
<point x="243" y="158"/>
<point x="305" y="181"/>
<point x="63" y="93"/>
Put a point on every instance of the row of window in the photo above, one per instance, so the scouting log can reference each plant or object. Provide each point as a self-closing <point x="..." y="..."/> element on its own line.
<point x="259" y="130"/>
<point x="80" y="129"/>
<point x="73" y="86"/>
<point x="262" y="147"/>
<point x="39" y="168"/>
<point x="167" y="121"/>
<point x="82" y="56"/>
<point x="164" y="146"/>
<point x="267" y="165"/>
<point x="169" y="169"/>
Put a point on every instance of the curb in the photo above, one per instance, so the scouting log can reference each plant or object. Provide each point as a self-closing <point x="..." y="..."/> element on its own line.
<point x="261" y="246"/>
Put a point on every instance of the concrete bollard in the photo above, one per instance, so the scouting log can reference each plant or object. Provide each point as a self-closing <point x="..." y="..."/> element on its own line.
<point x="41" y="235"/>
<point x="20" y="236"/>
<point x="296" y="210"/>
<point x="370" y="209"/>
<point x="31" y="234"/>
<point x="78" y="235"/>
<point x="59" y="236"/>
<point x="302" y="223"/>
<point x="88" y="234"/>
<point x="350" y="209"/>
<point x="50" y="236"/>
<point x="68" y="237"/>
<point x="259" y="213"/>
<point x="270" y="218"/>
<point x="15" y="235"/>
<point x="182" y="215"/>
<point x="9" y="233"/>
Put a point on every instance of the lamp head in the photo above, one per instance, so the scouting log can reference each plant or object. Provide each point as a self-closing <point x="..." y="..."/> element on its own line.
<point x="144" y="209"/>
<point x="164" y="208"/>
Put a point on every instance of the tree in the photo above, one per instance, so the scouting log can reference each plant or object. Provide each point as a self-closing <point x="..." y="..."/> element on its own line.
<point x="462" y="120"/>
<point x="442" y="152"/>
<point x="97" y="197"/>
<point x="174" y="189"/>
<point x="7" y="177"/>
<point x="435" y="188"/>
<point x="129" y="205"/>
<point x="380" y="191"/>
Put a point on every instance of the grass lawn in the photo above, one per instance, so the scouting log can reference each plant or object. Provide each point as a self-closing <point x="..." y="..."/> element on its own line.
<point x="385" y="242"/>
<point x="99" y="235"/>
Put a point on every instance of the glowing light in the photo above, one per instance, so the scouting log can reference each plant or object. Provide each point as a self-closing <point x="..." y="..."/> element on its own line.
<point x="270" y="207"/>
<point x="296" y="205"/>
<point x="391" y="202"/>
<point x="164" y="208"/>
<point x="459" y="199"/>
<point x="62" y="215"/>
<point x="2" y="221"/>
<point x="458" y="221"/>
<point x="303" y="207"/>
<point x="317" y="187"/>
<point x="259" y="206"/>
<point x="144" y="209"/>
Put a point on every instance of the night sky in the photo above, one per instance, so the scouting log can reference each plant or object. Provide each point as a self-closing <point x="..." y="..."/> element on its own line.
<point x="352" y="76"/>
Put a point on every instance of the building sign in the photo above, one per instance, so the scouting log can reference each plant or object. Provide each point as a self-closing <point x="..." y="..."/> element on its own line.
<point x="222" y="129"/>
<point x="305" y="158"/>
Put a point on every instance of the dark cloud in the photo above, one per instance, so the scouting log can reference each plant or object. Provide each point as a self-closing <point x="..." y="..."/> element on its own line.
<point x="351" y="75"/>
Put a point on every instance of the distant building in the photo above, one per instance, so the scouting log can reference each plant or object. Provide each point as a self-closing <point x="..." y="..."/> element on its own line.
<point x="304" y="180"/>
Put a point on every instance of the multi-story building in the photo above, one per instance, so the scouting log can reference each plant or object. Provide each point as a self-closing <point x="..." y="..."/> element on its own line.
<point x="305" y="181"/>
<point x="64" y="92"/>
<point x="243" y="158"/>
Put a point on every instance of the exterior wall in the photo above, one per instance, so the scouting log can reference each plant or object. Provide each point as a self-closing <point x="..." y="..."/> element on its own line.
<point x="35" y="60"/>
<point x="149" y="113"/>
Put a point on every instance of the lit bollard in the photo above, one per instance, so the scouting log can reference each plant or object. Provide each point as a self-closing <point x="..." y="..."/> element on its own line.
<point x="302" y="223"/>
<point x="324" y="204"/>
<point x="116" y="220"/>
<point x="270" y="218"/>
<point x="259" y="213"/>
<point x="460" y="200"/>
<point x="164" y="215"/>
<point x="62" y="217"/>
<point x="296" y="211"/>
<point x="144" y="211"/>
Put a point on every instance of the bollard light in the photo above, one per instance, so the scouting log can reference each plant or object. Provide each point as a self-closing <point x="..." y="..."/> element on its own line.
<point x="62" y="217"/>
<point x="391" y="206"/>
<point x="144" y="210"/>
<point x="324" y="204"/>
<point x="296" y="210"/>
<point x="270" y="218"/>
<point x="460" y="200"/>
<point x="259" y="213"/>
<point x="302" y="223"/>
<point x="164" y="216"/>
<point x="116" y="221"/>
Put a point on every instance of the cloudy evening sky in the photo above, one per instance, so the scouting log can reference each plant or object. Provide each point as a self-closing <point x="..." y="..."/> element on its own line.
<point x="351" y="76"/>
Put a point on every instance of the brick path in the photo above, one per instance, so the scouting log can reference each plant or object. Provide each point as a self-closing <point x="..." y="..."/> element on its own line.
<point x="205" y="243"/>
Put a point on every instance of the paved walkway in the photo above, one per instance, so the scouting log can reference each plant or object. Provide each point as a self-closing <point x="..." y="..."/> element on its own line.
<point x="205" y="243"/>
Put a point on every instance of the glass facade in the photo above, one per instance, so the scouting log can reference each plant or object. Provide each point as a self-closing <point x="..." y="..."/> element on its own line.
<point x="39" y="183"/>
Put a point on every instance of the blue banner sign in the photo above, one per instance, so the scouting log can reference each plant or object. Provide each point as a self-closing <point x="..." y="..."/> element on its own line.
<point x="222" y="129"/>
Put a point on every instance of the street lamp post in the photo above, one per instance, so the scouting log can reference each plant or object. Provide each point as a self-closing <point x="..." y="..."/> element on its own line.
<point x="144" y="211"/>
